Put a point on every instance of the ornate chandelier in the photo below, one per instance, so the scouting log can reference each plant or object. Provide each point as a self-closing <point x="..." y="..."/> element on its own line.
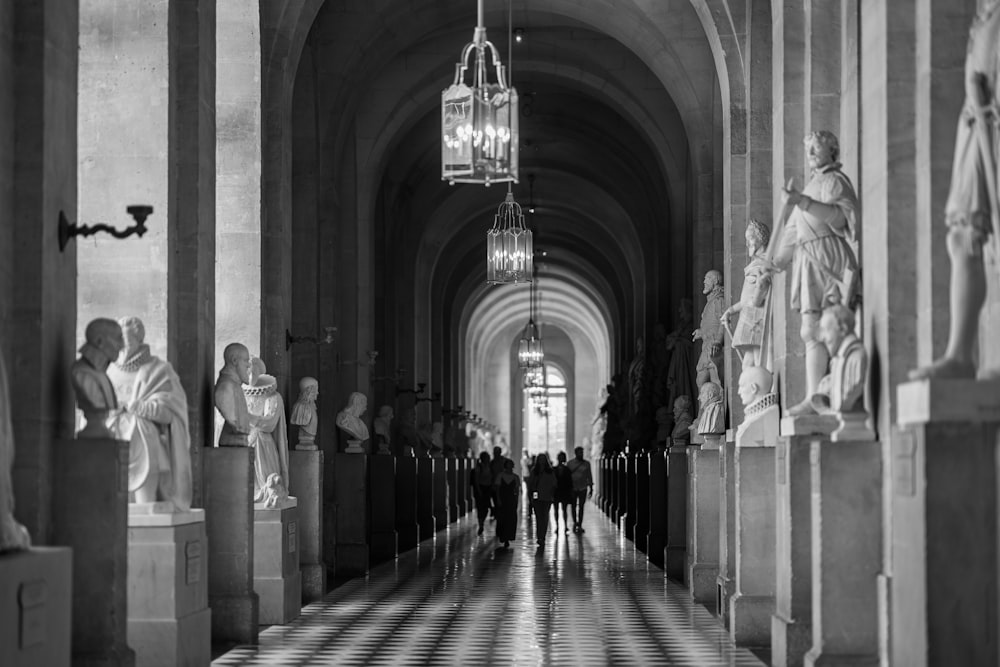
<point x="530" y="353"/>
<point x="509" y="246"/>
<point x="479" y="133"/>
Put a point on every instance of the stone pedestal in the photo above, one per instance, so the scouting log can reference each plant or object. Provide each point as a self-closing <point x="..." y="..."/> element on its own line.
<point x="382" y="481"/>
<point x="641" y="501"/>
<point x="656" y="540"/>
<point x="462" y="482"/>
<point x="725" y="583"/>
<point x="630" y="495"/>
<point x="451" y="474"/>
<point x="944" y="527"/>
<point x="229" y="522"/>
<point x="675" y="558"/>
<point x="306" y="484"/>
<point x="703" y="520"/>
<point x="351" y="492"/>
<point x="169" y="622"/>
<point x="467" y="485"/>
<point x="407" y="530"/>
<point x="425" y="498"/>
<point x="89" y="515"/>
<point x="791" y="625"/>
<point x="621" y="490"/>
<point x="846" y="551"/>
<point x="35" y="605"/>
<point x="752" y="605"/>
<point x="276" y="576"/>
<point x="439" y="492"/>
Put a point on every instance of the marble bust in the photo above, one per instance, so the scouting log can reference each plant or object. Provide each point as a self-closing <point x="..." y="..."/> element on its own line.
<point x="383" y="429"/>
<point x="268" y="434"/>
<point x="818" y="243"/>
<point x="750" y="337"/>
<point x="681" y="435"/>
<point x="710" y="332"/>
<point x="94" y="392"/>
<point x="712" y="415"/>
<point x="349" y="421"/>
<point x="841" y="392"/>
<point x="154" y="421"/>
<point x="760" y="409"/>
<point x="304" y="414"/>
<point x="230" y="400"/>
<point x="13" y="536"/>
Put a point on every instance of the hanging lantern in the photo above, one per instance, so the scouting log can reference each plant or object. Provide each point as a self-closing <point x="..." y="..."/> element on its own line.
<point x="529" y="349"/>
<point x="479" y="121"/>
<point x="509" y="248"/>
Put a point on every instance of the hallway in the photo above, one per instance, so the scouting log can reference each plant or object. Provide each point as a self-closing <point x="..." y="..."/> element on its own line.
<point x="588" y="599"/>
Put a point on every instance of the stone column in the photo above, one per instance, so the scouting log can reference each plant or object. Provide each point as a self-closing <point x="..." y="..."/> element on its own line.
<point x="703" y="519"/>
<point x="944" y="531"/>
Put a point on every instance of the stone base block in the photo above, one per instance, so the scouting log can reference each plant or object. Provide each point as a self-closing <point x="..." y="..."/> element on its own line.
<point x="306" y="484"/>
<point x="352" y="489"/>
<point x="750" y="619"/>
<point x="277" y="580"/>
<point x="703" y="523"/>
<point x="170" y="642"/>
<point x="701" y="580"/>
<point x="169" y="622"/>
<point x="35" y="604"/>
<point x="789" y="641"/>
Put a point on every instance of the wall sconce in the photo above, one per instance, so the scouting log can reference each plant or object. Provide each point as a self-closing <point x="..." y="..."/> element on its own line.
<point x="395" y="378"/>
<point x="331" y="335"/>
<point x="435" y="399"/>
<point x="416" y="392"/>
<point x="370" y="363"/>
<point x="68" y="230"/>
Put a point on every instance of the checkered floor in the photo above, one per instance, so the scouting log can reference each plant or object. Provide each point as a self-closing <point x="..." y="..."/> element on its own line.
<point x="588" y="599"/>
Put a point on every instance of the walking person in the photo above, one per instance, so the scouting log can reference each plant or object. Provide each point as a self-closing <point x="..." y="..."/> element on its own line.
<point x="508" y="498"/>
<point x="564" y="492"/>
<point x="497" y="466"/>
<point x="583" y="487"/>
<point x="543" y="493"/>
<point x="482" y="489"/>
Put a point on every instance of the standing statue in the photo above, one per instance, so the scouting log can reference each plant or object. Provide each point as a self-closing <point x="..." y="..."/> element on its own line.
<point x="681" y="435"/>
<point x="680" y="372"/>
<point x="660" y="361"/>
<point x="13" y="536"/>
<point x="710" y="333"/>
<point x="268" y="435"/>
<point x="94" y="392"/>
<point x="409" y="440"/>
<point x="819" y="237"/>
<point x="760" y="408"/>
<point x="712" y="414"/>
<point x="230" y="400"/>
<point x="640" y="419"/>
<point x="614" y="435"/>
<point x="752" y="331"/>
<point x="304" y="414"/>
<point x="383" y="429"/>
<point x="154" y="421"/>
<point x="349" y="421"/>
<point x="972" y="212"/>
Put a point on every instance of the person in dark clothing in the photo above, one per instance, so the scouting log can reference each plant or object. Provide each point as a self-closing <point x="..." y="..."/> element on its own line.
<point x="543" y="493"/>
<point x="564" y="491"/>
<point x="497" y="466"/>
<point x="508" y="492"/>
<point x="482" y="488"/>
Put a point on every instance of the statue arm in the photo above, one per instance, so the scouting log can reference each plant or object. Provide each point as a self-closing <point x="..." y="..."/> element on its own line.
<point x="269" y="420"/>
<point x="785" y="251"/>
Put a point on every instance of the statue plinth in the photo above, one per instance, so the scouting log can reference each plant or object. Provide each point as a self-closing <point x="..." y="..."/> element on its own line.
<point x="354" y="447"/>
<point x="96" y="428"/>
<point x="233" y="440"/>
<point x="307" y="443"/>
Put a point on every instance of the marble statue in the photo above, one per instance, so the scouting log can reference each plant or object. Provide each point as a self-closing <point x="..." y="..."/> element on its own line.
<point x="268" y="434"/>
<point x="13" y="536"/>
<point x="230" y="400"/>
<point x="660" y="362"/>
<point x="437" y="438"/>
<point x="760" y="408"/>
<point x="818" y="241"/>
<point x="409" y="440"/>
<point x="274" y="494"/>
<point x="611" y="412"/>
<point x="349" y="421"/>
<point x="304" y="414"/>
<point x="712" y="412"/>
<point x="842" y="390"/>
<point x="637" y="378"/>
<point x="383" y="429"/>
<point x="752" y="330"/>
<point x="972" y="213"/>
<point x="681" y="368"/>
<point x="681" y="435"/>
<point x="94" y="392"/>
<point x="153" y="419"/>
<point x="710" y="333"/>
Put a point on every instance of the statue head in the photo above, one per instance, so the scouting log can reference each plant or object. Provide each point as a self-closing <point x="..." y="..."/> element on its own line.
<point x="757" y="236"/>
<point x="835" y="325"/>
<point x="104" y="335"/>
<point x="755" y="381"/>
<point x="822" y="148"/>
<point x="237" y="358"/>
<point x="385" y="412"/>
<point x="640" y="345"/>
<point x="134" y="333"/>
<point x="357" y="403"/>
<point x="709" y="393"/>
<point x="713" y="279"/>
<point x="308" y="389"/>
<point x="682" y="405"/>
<point x="257" y="368"/>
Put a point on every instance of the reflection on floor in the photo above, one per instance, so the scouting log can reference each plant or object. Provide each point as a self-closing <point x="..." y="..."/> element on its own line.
<point x="588" y="599"/>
